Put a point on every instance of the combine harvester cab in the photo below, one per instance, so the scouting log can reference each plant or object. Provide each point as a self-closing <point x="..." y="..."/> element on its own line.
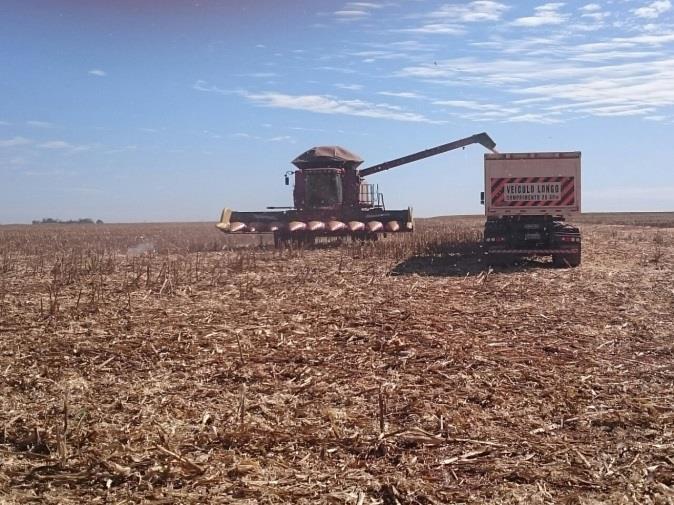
<point x="332" y="199"/>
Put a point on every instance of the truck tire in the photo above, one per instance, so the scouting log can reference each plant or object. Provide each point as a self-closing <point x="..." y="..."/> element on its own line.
<point x="566" y="260"/>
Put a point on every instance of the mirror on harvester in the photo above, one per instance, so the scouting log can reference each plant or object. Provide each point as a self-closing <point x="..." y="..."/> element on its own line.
<point x="482" y="197"/>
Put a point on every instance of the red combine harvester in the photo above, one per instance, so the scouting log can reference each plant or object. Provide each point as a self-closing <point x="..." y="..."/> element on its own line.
<point x="332" y="199"/>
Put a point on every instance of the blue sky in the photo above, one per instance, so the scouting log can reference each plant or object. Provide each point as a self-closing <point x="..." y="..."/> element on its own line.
<point x="170" y="110"/>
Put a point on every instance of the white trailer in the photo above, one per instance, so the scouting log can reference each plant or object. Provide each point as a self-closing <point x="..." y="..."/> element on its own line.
<point x="528" y="197"/>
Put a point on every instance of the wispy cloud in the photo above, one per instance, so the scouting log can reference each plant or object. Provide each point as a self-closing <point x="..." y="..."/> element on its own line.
<point x="354" y="11"/>
<point x="261" y="75"/>
<point x="278" y="138"/>
<point x="326" y="104"/>
<point x="374" y="55"/>
<point x="62" y="145"/>
<point x="654" y="9"/>
<point x="471" y="12"/>
<point x="472" y="105"/>
<point x="282" y="138"/>
<point x="401" y="94"/>
<point x="479" y="111"/>
<point x="341" y="70"/>
<point x="97" y="72"/>
<point x="593" y="18"/>
<point x="533" y="118"/>
<point x="451" y="19"/>
<point x="320" y="104"/>
<point x="437" y="29"/>
<point x="15" y="141"/>
<point x="616" y="77"/>
<point x="590" y="8"/>
<point x="40" y="124"/>
<point x="351" y="14"/>
<point x="350" y="87"/>
<point x="546" y="14"/>
<point x="210" y="88"/>
<point x="55" y="144"/>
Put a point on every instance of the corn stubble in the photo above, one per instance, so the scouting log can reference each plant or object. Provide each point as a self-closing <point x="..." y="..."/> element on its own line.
<point x="147" y="363"/>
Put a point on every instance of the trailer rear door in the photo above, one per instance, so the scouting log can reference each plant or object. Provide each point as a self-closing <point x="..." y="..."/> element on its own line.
<point x="532" y="184"/>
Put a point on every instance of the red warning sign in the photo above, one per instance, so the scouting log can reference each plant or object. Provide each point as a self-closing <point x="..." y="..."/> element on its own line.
<point x="532" y="191"/>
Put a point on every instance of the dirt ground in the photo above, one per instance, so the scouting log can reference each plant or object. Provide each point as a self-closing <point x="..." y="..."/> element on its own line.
<point x="142" y="364"/>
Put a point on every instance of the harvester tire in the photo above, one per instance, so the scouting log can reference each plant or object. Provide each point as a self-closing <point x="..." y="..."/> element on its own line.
<point x="280" y="240"/>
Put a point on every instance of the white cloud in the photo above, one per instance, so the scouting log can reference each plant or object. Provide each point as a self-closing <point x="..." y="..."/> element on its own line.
<point x="618" y="110"/>
<point x="204" y="86"/>
<point x="546" y="14"/>
<point x="282" y="138"/>
<point x="569" y="85"/>
<point x="401" y="94"/>
<point x="325" y="104"/>
<point x="15" y="141"/>
<point x="596" y="16"/>
<point x="372" y="55"/>
<point x="248" y="136"/>
<point x="449" y="19"/>
<point x="351" y="14"/>
<point x="341" y="70"/>
<point x="351" y="87"/>
<point x="353" y="11"/>
<point x="590" y="8"/>
<point x="64" y="146"/>
<point x="533" y="118"/>
<point x="472" y="105"/>
<point x="651" y="40"/>
<point x="40" y="124"/>
<point x="261" y="75"/>
<point x="322" y="104"/>
<point x="654" y="9"/>
<point x="438" y="29"/>
<point x="97" y="72"/>
<point x="56" y="144"/>
<point x="472" y="12"/>
<point x="363" y="5"/>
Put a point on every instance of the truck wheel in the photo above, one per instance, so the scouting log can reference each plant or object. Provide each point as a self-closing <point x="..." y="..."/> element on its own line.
<point x="566" y="260"/>
<point x="573" y="259"/>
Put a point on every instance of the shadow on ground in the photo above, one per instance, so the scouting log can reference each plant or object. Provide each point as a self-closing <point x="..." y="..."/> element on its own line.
<point x="464" y="263"/>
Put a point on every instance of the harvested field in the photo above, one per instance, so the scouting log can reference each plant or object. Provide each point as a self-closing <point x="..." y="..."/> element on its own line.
<point x="141" y="363"/>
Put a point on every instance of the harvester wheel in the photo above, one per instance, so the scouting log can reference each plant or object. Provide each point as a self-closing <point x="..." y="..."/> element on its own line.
<point x="280" y="240"/>
<point x="500" y="259"/>
<point x="303" y="240"/>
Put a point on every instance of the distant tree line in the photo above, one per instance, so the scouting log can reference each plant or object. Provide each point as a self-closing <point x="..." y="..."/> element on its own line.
<point x="51" y="220"/>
